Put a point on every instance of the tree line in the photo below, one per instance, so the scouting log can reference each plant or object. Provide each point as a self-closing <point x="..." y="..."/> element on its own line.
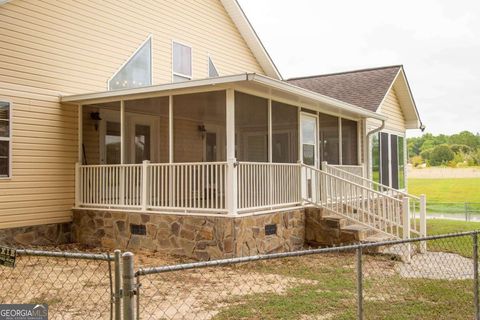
<point x="456" y="150"/>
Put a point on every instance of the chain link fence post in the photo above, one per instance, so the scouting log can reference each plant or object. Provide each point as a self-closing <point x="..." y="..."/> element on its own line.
<point x="118" y="284"/>
<point x="475" y="275"/>
<point x="359" y="284"/>
<point x="128" y="291"/>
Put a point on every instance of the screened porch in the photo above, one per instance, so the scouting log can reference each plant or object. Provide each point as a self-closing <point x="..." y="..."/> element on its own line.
<point x="209" y="151"/>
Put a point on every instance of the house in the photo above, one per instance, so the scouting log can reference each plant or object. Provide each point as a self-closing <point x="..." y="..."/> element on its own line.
<point x="166" y="126"/>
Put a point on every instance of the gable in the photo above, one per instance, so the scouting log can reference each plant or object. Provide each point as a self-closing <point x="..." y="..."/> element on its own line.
<point x="390" y="107"/>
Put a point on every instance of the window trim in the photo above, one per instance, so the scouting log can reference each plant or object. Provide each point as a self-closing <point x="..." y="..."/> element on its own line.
<point x="209" y="59"/>
<point x="189" y="77"/>
<point x="9" y="140"/>
<point x="149" y="38"/>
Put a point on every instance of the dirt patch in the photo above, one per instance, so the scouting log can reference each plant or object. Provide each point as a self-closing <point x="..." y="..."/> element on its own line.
<point x="201" y="294"/>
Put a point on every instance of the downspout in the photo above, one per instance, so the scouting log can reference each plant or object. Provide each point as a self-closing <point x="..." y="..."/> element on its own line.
<point x="367" y="152"/>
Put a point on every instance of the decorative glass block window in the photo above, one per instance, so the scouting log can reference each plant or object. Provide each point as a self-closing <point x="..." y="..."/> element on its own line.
<point x="212" y="71"/>
<point x="182" y="62"/>
<point x="137" y="71"/>
<point x="5" y="140"/>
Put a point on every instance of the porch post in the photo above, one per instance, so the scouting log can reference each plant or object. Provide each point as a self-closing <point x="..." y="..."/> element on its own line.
<point x="170" y="129"/>
<point x="122" y="132"/>
<point x="170" y="150"/>
<point x="80" y="133"/>
<point x="231" y="196"/>
<point x="122" y="152"/>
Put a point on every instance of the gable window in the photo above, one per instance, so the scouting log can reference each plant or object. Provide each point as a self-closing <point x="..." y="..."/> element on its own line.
<point x="5" y="140"/>
<point x="181" y="62"/>
<point x="212" y="71"/>
<point x="137" y="71"/>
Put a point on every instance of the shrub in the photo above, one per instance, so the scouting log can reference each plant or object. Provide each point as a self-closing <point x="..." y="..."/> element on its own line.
<point x="441" y="154"/>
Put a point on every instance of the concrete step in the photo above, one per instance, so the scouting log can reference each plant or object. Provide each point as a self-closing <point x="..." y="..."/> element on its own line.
<point x="355" y="232"/>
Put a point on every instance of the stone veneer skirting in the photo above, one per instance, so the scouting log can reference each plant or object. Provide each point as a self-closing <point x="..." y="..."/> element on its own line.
<point x="41" y="235"/>
<point x="200" y="237"/>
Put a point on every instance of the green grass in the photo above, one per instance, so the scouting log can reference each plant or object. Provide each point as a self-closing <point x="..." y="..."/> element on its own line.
<point x="460" y="245"/>
<point x="330" y="292"/>
<point x="446" y="190"/>
<point x="447" y="195"/>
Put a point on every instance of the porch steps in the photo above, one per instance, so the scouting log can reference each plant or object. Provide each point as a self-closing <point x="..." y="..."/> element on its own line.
<point x="325" y="228"/>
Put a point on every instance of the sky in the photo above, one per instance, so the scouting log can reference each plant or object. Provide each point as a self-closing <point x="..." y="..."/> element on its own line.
<point x="438" y="43"/>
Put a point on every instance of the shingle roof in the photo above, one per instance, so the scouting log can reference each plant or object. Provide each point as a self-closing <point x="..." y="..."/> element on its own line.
<point x="364" y="88"/>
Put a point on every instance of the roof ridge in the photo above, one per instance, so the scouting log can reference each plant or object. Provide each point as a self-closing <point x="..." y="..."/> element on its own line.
<point x="346" y="72"/>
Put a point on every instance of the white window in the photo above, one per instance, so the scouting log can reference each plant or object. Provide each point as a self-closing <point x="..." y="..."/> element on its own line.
<point x="182" y="62"/>
<point x="137" y="71"/>
<point x="212" y="71"/>
<point x="5" y="140"/>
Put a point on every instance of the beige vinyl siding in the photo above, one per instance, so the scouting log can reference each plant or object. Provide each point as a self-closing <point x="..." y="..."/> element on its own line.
<point x="392" y="110"/>
<point x="50" y="48"/>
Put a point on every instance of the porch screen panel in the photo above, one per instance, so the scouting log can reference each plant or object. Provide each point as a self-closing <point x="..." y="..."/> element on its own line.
<point x="284" y="133"/>
<point x="199" y="127"/>
<point x="376" y="157"/>
<point x="349" y="142"/>
<point x="401" y="162"/>
<point x="384" y="159"/>
<point x="101" y="133"/>
<point x="394" y="160"/>
<point x="147" y="130"/>
<point x="251" y="128"/>
<point x="329" y="138"/>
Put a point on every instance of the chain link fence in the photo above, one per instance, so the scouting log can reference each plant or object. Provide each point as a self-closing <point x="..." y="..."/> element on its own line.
<point x="75" y="285"/>
<point x="467" y="211"/>
<point x="386" y="280"/>
<point x="389" y="280"/>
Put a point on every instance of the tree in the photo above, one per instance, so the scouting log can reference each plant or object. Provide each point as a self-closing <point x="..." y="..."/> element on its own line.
<point x="441" y="154"/>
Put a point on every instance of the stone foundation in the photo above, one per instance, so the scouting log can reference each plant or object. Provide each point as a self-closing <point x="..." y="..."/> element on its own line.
<point x="199" y="237"/>
<point x="41" y="235"/>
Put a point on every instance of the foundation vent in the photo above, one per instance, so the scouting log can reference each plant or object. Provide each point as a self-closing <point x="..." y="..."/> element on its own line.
<point x="270" y="229"/>
<point x="138" y="229"/>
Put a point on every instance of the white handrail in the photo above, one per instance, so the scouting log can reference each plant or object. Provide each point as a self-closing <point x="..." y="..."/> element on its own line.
<point x="417" y="210"/>
<point x="342" y="173"/>
<point x="354" y="201"/>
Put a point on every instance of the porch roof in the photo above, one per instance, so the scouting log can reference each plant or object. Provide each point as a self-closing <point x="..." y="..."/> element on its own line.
<point x="248" y="81"/>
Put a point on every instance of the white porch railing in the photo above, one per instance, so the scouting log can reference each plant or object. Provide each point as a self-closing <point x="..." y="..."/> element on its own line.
<point x="416" y="205"/>
<point x="356" y="202"/>
<point x="187" y="186"/>
<point x="109" y="185"/>
<point x="203" y="187"/>
<point x="267" y="185"/>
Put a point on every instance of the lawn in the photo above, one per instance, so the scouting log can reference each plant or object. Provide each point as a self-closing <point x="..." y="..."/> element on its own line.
<point x="447" y="195"/>
<point x="446" y="190"/>
<point x="328" y="291"/>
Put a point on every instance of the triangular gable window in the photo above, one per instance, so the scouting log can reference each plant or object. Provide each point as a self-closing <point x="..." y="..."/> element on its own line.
<point x="212" y="71"/>
<point x="137" y="71"/>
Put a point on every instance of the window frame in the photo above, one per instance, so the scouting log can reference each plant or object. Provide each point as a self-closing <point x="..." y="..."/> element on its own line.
<point x="178" y="74"/>
<point x="149" y="38"/>
<point x="9" y="140"/>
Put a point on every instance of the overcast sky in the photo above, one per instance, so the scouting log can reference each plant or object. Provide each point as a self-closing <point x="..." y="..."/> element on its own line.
<point x="437" y="41"/>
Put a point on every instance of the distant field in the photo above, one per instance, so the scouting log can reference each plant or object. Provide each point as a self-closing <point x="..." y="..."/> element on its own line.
<point x="447" y="190"/>
<point x="448" y="195"/>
